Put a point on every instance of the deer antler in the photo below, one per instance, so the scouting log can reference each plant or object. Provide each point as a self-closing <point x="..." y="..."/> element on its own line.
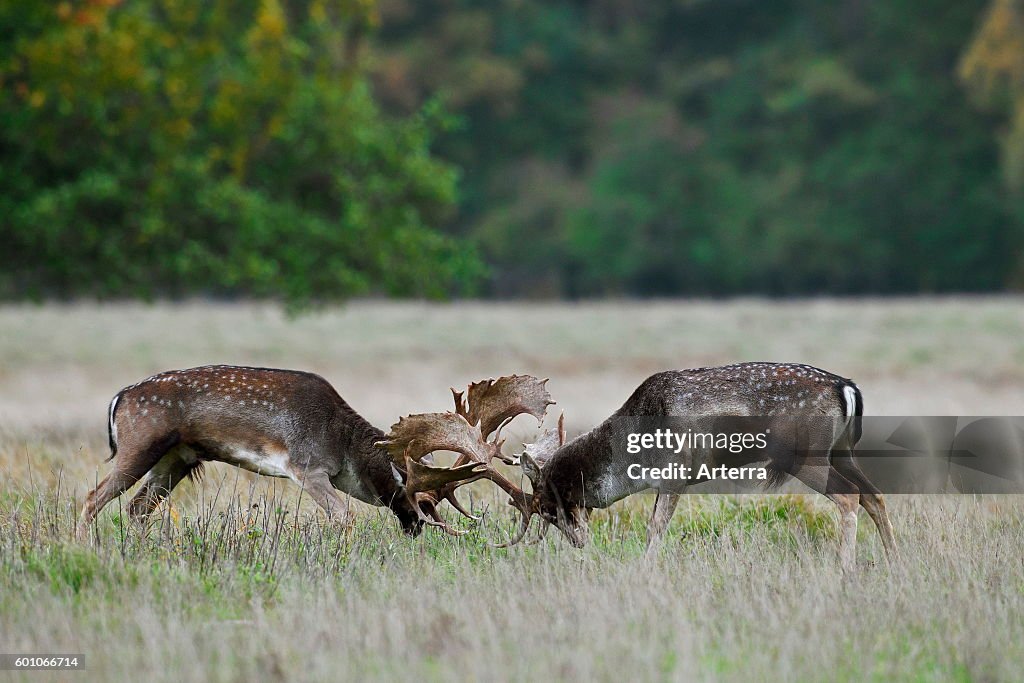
<point x="488" y="406"/>
<point x="414" y="436"/>
<point x="494" y="403"/>
<point x="537" y="453"/>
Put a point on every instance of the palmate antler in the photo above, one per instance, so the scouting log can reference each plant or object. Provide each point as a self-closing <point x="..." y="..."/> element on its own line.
<point x="494" y="403"/>
<point x="480" y="412"/>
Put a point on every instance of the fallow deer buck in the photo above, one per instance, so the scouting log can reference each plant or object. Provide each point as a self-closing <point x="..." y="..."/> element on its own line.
<point x="570" y="479"/>
<point x="281" y="423"/>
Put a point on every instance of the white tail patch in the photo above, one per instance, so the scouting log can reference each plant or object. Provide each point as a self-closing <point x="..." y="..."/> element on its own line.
<point x="110" y="420"/>
<point x="850" y="398"/>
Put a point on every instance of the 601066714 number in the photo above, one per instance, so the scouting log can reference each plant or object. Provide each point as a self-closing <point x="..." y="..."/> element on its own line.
<point x="22" y="662"/>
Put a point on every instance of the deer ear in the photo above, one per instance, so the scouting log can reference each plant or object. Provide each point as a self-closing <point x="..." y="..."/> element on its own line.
<point x="397" y="476"/>
<point x="531" y="468"/>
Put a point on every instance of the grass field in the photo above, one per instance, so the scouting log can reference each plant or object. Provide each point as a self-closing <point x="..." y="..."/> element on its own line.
<point x="238" y="580"/>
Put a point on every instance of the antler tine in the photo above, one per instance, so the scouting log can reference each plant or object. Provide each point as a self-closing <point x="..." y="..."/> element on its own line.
<point x="517" y="497"/>
<point x="493" y="403"/>
<point x="448" y="493"/>
<point x="544" y="526"/>
<point x="420" y="477"/>
<point x="524" y="526"/>
<point x="460" y="404"/>
<point x="422" y="503"/>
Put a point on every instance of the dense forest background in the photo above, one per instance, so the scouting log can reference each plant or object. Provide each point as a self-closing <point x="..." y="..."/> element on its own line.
<point x="311" y="150"/>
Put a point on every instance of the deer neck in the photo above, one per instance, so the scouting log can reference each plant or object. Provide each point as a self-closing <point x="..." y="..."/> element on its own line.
<point x="365" y="468"/>
<point x="583" y="471"/>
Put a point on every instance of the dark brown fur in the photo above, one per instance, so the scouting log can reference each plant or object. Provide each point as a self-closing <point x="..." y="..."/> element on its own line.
<point x="278" y="422"/>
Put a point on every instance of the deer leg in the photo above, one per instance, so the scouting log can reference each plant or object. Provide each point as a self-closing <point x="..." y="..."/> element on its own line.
<point x="158" y="484"/>
<point x="129" y="466"/>
<point x="318" y="486"/>
<point x="661" y="515"/>
<point x="871" y="500"/>
<point x="819" y="475"/>
<point x="110" y="487"/>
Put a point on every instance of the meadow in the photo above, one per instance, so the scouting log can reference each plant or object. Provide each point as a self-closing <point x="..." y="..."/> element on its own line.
<point x="239" y="578"/>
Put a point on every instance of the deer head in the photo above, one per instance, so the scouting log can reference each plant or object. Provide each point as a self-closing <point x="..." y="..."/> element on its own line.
<point x="473" y="431"/>
<point x="546" y="500"/>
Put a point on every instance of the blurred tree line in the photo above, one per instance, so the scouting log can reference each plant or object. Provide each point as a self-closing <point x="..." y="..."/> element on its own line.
<point x="167" y="147"/>
<point x="315" y="149"/>
<point x="716" y="146"/>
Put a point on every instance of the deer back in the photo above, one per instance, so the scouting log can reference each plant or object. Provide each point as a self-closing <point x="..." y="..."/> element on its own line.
<point x="745" y="389"/>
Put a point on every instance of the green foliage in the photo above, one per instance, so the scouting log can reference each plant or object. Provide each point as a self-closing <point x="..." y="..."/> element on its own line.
<point x="65" y="568"/>
<point x="167" y="148"/>
<point x="779" y="517"/>
<point x="709" y="147"/>
<point x="993" y="71"/>
<point x="164" y="147"/>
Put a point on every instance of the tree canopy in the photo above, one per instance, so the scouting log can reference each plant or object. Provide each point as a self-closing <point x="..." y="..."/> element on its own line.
<point x="167" y="147"/>
<point x="717" y="147"/>
<point x="316" y="149"/>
